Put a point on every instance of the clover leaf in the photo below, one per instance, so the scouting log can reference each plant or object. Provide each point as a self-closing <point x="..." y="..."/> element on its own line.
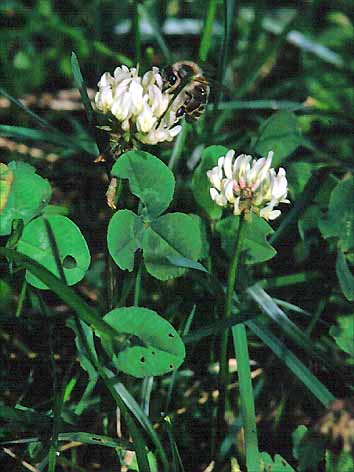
<point x="155" y="347"/>
<point x="159" y="237"/>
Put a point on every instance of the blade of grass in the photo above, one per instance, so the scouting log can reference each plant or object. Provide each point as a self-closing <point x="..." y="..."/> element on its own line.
<point x="141" y="417"/>
<point x="156" y="32"/>
<point x="43" y="123"/>
<point x="206" y="39"/>
<point x="247" y="397"/>
<point x="261" y="105"/>
<point x="21" y="299"/>
<point x="179" y="145"/>
<point x="292" y="362"/>
<point x="58" y="406"/>
<point x="177" y="463"/>
<point x="79" y="81"/>
<point x="306" y="197"/>
<point x="65" y="293"/>
<point x="92" y="438"/>
<point x="138" y="440"/>
<point x="270" y="308"/>
<point x="55" y="136"/>
<point x="50" y="137"/>
<point x="136" y="32"/>
<point x="229" y="16"/>
<point x="215" y="328"/>
<point x="263" y="58"/>
<point x="174" y="374"/>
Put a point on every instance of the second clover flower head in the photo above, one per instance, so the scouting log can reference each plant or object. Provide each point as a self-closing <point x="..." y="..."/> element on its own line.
<point x="143" y="112"/>
<point x="248" y="185"/>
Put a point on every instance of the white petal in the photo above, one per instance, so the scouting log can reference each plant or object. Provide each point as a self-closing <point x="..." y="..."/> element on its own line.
<point x="213" y="193"/>
<point x="221" y="161"/>
<point x="237" y="210"/>
<point x="175" y="130"/>
<point x="145" y="120"/>
<point x="228" y="190"/>
<point x="136" y="91"/>
<point x="228" y="164"/>
<point x="274" y="214"/>
<point x="106" y="80"/>
<point x="214" y="177"/>
<point x="221" y="200"/>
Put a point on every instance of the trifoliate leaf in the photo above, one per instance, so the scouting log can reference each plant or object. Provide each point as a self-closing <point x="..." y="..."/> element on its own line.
<point x="339" y="222"/>
<point x="55" y="240"/>
<point x="200" y="182"/>
<point x="156" y="348"/>
<point x="174" y="234"/>
<point x="149" y="179"/>
<point x="124" y="238"/>
<point x="28" y="195"/>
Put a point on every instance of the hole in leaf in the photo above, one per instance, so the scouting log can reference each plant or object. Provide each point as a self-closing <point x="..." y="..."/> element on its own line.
<point x="69" y="262"/>
<point x="170" y="335"/>
<point x="171" y="366"/>
<point x="142" y="359"/>
<point x="153" y="353"/>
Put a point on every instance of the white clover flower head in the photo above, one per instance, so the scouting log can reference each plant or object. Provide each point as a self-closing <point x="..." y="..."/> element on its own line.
<point x="143" y="111"/>
<point x="248" y="185"/>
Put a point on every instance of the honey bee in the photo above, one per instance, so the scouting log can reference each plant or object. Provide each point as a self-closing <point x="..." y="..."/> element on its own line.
<point x="187" y="77"/>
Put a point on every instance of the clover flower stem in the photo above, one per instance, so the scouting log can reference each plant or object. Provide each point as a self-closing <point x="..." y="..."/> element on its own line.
<point x="243" y="364"/>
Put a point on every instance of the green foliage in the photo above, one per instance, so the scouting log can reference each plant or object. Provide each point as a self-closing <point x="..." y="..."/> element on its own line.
<point x="342" y="462"/>
<point x="256" y="247"/>
<point x="174" y="234"/>
<point x="344" y="333"/>
<point x="149" y="179"/>
<point x="58" y="244"/>
<point x="339" y="222"/>
<point x="345" y="277"/>
<point x="124" y="237"/>
<point x="201" y="184"/>
<point x="277" y="465"/>
<point x="159" y="237"/>
<point x="6" y="179"/>
<point x="280" y="134"/>
<point x="28" y="195"/>
<point x="158" y="348"/>
<point x="288" y="88"/>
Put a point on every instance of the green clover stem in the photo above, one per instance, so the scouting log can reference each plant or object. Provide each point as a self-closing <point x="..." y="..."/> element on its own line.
<point x="243" y="363"/>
